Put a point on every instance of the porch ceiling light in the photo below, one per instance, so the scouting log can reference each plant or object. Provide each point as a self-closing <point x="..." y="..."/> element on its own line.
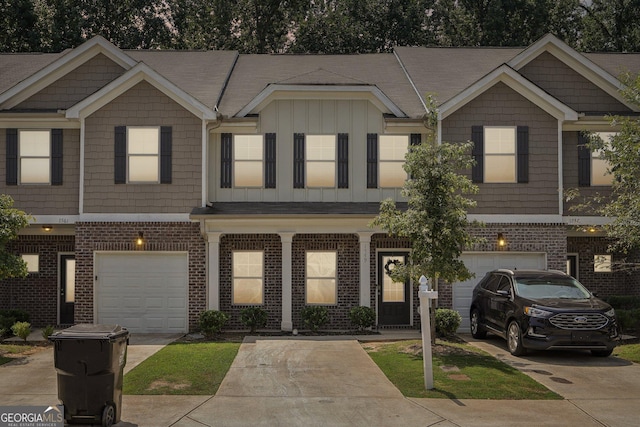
<point x="47" y="228"/>
<point x="140" y="239"/>
<point x="502" y="242"/>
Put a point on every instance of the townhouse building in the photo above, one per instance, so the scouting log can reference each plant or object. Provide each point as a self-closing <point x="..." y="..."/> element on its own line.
<point x="165" y="183"/>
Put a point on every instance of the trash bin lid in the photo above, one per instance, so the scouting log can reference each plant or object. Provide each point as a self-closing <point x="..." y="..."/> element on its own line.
<point x="89" y="331"/>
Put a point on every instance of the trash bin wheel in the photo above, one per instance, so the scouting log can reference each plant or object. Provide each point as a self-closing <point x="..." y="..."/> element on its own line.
<point x="108" y="415"/>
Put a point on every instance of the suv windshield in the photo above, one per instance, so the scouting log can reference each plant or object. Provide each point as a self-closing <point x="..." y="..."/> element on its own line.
<point x="556" y="287"/>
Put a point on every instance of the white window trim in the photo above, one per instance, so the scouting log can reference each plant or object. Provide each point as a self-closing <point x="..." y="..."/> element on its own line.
<point x="37" y="261"/>
<point x="513" y="155"/>
<point x="595" y="157"/>
<point x="381" y="160"/>
<point x="306" y="278"/>
<point x="334" y="162"/>
<point x="236" y="161"/>
<point x="20" y="157"/>
<point x="233" y="277"/>
<point x="129" y="155"/>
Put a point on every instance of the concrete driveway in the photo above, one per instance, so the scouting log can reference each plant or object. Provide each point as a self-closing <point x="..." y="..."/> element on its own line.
<point x="607" y="388"/>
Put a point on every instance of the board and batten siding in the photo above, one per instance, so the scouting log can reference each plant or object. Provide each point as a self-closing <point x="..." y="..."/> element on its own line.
<point x="356" y="118"/>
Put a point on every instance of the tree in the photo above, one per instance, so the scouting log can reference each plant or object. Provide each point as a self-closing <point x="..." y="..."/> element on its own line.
<point x="19" y="23"/>
<point x="622" y="153"/>
<point x="11" y="221"/>
<point x="201" y="24"/>
<point x="611" y="25"/>
<point x="435" y="220"/>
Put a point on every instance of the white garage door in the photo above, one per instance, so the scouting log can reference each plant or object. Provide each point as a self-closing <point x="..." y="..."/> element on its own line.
<point x="142" y="291"/>
<point x="482" y="263"/>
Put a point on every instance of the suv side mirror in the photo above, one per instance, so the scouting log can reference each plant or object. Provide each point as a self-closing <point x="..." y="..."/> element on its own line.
<point x="504" y="293"/>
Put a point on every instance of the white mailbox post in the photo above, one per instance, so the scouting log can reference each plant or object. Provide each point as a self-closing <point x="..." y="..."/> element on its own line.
<point x="426" y="296"/>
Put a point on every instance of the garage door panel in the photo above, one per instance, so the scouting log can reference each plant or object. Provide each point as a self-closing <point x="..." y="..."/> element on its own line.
<point x="482" y="263"/>
<point x="143" y="291"/>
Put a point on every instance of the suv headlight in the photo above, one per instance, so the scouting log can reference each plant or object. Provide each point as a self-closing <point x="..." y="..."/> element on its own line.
<point x="610" y="313"/>
<point x="536" y="312"/>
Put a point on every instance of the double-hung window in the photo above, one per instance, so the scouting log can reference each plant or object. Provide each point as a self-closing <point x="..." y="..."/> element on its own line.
<point x="321" y="160"/>
<point x="248" y="277"/>
<point x="599" y="166"/>
<point x="35" y="156"/>
<point x="321" y="277"/>
<point x="392" y="152"/>
<point x="501" y="154"/>
<point x="143" y="154"/>
<point x="248" y="159"/>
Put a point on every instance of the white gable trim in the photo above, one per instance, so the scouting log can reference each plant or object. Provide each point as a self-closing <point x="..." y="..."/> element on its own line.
<point x="515" y="81"/>
<point x="576" y="61"/>
<point x="282" y="91"/>
<point x="62" y="66"/>
<point x="139" y="73"/>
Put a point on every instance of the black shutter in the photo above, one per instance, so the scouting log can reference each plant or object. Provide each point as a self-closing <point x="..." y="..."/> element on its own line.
<point x="415" y="139"/>
<point x="56" y="156"/>
<point x="584" y="161"/>
<point x="270" y="160"/>
<point x="477" y="137"/>
<point x="372" y="160"/>
<point x="166" y="142"/>
<point x="12" y="156"/>
<point x="120" y="165"/>
<point x="523" y="154"/>
<point x="298" y="160"/>
<point x="226" y="159"/>
<point x="343" y="160"/>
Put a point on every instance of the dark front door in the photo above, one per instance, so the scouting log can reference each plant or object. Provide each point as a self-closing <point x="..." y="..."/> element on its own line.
<point x="67" y="288"/>
<point x="394" y="299"/>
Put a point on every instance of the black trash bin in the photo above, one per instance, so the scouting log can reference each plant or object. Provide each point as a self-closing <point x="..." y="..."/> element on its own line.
<point x="89" y="360"/>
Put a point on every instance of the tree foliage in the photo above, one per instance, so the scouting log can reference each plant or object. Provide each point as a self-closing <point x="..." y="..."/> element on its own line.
<point x="319" y="26"/>
<point x="435" y="220"/>
<point x="11" y="222"/>
<point x="622" y="154"/>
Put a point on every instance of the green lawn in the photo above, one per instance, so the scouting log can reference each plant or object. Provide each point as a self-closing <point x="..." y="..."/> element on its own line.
<point x="629" y="352"/>
<point x="16" y="350"/>
<point x="470" y="373"/>
<point x="182" y="368"/>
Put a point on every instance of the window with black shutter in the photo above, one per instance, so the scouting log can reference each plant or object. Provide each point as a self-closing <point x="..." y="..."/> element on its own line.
<point x="372" y="160"/>
<point x="270" y="160"/>
<point x="343" y="160"/>
<point x="226" y="160"/>
<point x="298" y="160"/>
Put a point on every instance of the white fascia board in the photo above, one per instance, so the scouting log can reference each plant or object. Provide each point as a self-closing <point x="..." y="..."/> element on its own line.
<point x="326" y="224"/>
<point x="141" y="72"/>
<point x="277" y="91"/>
<point x="108" y="217"/>
<point x="518" y="83"/>
<point x="62" y="66"/>
<point x="576" y="61"/>
<point x="38" y="121"/>
<point x="516" y="219"/>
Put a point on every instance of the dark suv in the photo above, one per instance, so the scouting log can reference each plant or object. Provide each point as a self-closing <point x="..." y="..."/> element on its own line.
<point x="540" y="309"/>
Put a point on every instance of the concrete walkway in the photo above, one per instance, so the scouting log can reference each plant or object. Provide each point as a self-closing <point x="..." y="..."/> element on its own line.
<point x="331" y="381"/>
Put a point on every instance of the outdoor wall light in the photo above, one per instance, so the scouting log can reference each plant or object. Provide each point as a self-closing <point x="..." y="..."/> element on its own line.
<point x="501" y="240"/>
<point x="47" y="228"/>
<point x="140" y="239"/>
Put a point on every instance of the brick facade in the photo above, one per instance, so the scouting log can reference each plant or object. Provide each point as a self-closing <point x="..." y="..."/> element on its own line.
<point x="159" y="236"/>
<point x="38" y="292"/>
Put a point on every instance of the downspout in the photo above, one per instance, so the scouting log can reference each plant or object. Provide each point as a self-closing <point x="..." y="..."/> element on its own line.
<point x="81" y="184"/>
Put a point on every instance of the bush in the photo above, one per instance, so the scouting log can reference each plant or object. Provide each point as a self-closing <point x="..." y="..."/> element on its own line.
<point x="212" y="322"/>
<point x="447" y="321"/>
<point x="9" y="317"/>
<point x="629" y="320"/>
<point x="47" y="331"/>
<point x="624" y="302"/>
<point x="314" y="317"/>
<point x="362" y="317"/>
<point x="254" y="318"/>
<point x="21" y="329"/>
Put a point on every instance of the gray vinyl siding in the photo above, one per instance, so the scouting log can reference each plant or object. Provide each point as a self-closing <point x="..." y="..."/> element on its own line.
<point x="502" y="106"/>
<point x="568" y="86"/>
<point x="74" y="86"/>
<point x="47" y="199"/>
<point x="142" y="105"/>
<point x="356" y="118"/>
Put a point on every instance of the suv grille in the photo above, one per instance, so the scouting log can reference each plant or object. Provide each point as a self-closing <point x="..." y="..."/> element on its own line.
<point x="579" y="321"/>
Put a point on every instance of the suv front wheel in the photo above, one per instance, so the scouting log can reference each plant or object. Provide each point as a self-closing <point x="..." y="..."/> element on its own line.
<point x="514" y="339"/>
<point x="477" y="330"/>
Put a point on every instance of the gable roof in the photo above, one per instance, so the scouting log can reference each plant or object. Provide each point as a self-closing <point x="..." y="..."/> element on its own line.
<point x="140" y="72"/>
<point x="67" y="62"/>
<point x="381" y="73"/>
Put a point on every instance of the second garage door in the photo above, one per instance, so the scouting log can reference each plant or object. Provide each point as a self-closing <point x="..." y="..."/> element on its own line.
<point x="480" y="264"/>
<point x="146" y="292"/>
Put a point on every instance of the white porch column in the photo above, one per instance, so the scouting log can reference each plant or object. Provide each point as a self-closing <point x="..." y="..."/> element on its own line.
<point x="213" y="271"/>
<point x="365" y="268"/>
<point x="287" y="300"/>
